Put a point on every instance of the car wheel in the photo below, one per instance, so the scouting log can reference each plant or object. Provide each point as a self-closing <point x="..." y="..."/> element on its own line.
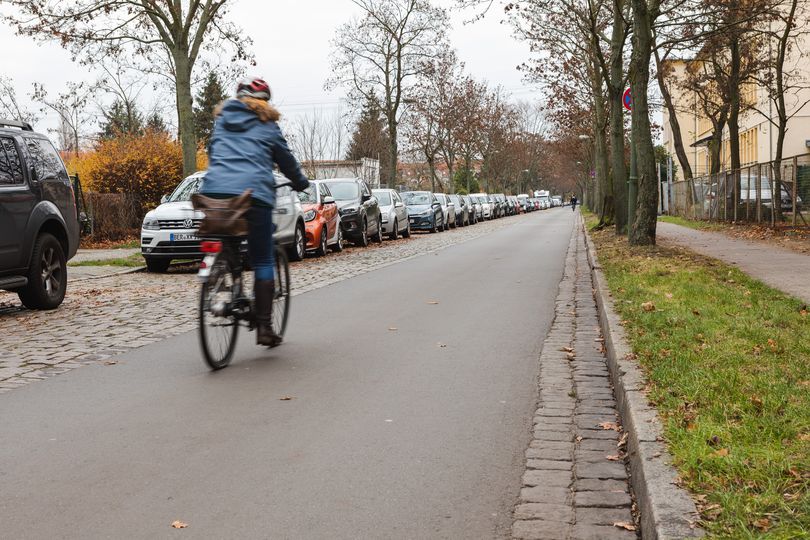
<point x="157" y="266"/>
<point x="394" y="231"/>
<point x="407" y="232"/>
<point x="378" y="237"/>
<point x="299" y="248"/>
<point x="452" y="223"/>
<point x="47" y="276"/>
<point x="363" y="240"/>
<point x="338" y="247"/>
<point x="322" y="248"/>
<point x="433" y="227"/>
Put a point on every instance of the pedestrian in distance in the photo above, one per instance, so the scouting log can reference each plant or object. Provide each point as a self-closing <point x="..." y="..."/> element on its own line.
<point x="573" y="203"/>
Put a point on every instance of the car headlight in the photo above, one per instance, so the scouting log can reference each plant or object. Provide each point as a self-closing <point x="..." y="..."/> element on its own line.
<point x="309" y="215"/>
<point x="151" y="224"/>
<point x="348" y="211"/>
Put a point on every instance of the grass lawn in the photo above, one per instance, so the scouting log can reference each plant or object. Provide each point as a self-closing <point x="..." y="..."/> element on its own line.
<point x="131" y="261"/>
<point x="728" y="366"/>
<point x="691" y="223"/>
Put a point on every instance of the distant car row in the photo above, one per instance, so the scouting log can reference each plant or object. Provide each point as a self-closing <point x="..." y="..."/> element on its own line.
<point x="326" y="215"/>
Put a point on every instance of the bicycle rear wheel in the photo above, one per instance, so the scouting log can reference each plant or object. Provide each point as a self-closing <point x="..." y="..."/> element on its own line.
<point x="281" y="298"/>
<point x="219" y="325"/>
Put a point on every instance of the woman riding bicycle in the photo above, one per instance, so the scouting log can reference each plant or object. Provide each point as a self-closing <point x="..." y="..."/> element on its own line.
<point x="245" y="144"/>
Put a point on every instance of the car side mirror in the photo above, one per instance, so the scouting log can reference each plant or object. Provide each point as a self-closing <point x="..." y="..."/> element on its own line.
<point x="365" y="197"/>
<point x="398" y="204"/>
<point x="328" y="200"/>
<point x="164" y="199"/>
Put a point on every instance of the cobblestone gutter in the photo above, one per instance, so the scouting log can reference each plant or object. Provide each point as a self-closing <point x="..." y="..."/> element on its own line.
<point x="667" y="512"/>
<point x="576" y="483"/>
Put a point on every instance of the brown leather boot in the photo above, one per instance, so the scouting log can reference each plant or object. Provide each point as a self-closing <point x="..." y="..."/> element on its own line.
<point x="265" y="335"/>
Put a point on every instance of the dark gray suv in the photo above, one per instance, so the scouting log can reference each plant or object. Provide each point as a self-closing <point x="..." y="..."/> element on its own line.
<point x="39" y="226"/>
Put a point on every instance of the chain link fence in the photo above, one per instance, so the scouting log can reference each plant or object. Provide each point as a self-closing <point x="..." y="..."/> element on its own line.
<point x="747" y="194"/>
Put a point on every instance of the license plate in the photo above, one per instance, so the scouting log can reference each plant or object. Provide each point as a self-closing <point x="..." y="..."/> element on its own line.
<point x="182" y="237"/>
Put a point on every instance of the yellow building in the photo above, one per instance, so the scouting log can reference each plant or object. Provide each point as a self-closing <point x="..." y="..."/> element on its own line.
<point x="757" y="134"/>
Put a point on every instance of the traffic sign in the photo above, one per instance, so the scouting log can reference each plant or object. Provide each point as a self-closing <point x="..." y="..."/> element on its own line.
<point x="627" y="100"/>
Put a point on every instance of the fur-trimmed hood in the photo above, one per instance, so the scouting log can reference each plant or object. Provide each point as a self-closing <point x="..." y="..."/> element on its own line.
<point x="239" y="114"/>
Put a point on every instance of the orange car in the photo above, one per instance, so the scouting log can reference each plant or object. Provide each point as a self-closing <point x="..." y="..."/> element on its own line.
<point x="322" y="219"/>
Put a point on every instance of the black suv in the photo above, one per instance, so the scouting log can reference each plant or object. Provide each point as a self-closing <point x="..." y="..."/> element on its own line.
<point x="360" y="216"/>
<point x="39" y="226"/>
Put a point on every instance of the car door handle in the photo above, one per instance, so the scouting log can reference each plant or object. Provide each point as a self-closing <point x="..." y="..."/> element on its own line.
<point x="281" y="210"/>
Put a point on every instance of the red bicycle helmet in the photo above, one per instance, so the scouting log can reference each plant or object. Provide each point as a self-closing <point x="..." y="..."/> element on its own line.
<point x="255" y="88"/>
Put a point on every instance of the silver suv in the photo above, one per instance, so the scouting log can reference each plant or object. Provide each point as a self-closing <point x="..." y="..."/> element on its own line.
<point x="170" y="231"/>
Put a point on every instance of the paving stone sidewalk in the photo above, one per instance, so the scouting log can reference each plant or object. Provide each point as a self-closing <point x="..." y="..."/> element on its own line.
<point x="780" y="268"/>
<point x="104" y="317"/>
<point x="575" y="485"/>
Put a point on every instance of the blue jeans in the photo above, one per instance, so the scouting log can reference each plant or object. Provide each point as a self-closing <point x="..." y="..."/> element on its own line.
<point x="260" y="242"/>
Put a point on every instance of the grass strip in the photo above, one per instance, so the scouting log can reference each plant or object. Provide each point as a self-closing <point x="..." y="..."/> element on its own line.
<point x="727" y="360"/>
<point x="691" y="223"/>
<point x="132" y="261"/>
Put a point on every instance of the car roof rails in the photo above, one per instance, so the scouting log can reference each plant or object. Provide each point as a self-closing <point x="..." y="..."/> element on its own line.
<point x="25" y="126"/>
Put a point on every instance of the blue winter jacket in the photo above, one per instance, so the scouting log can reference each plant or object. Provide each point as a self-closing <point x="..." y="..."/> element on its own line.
<point x="245" y="144"/>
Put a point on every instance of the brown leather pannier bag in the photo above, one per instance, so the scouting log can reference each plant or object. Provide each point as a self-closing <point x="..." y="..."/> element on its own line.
<point x="223" y="217"/>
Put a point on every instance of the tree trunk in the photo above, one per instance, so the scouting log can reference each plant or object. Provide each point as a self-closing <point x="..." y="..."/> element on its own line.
<point x="185" y="113"/>
<point x="674" y="125"/>
<point x="393" y="154"/>
<point x="642" y="231"/>
<point x="616" y="90"/>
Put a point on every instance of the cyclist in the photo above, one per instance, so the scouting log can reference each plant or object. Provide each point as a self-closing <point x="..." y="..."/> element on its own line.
<point x="245" y="144"/>
<point x="573" y="203"/>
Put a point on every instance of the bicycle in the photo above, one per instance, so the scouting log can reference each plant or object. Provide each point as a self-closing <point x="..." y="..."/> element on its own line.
<point x="226" y="301"/>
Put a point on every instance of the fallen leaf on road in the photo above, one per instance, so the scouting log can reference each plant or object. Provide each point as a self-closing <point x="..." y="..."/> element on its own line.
<point x="432" y="302"/>
<point x="442" y="345"/>
<point x="579" y="438"/>
<point x="285" y="398"/>
<point x="179" y="524"/>
<point x="567" y="349"/>
<point x="609" y="425"/>
<point x="110" y="362"/>
<point x="614" y="458"/>
<point x="648" y="306"/>
<point x="625" y="525"/>
<point x="393" y="328"/>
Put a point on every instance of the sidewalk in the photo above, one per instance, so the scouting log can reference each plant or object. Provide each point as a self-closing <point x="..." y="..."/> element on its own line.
<point x="780" y="268"/>
<point x="84" y="255"/>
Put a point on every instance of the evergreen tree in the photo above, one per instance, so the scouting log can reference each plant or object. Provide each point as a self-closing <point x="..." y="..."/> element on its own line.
<point x="210" y="95"/>
<point x="121" y="118"/>
<point x="370" y="136"/>
<point x="156" y="123"/>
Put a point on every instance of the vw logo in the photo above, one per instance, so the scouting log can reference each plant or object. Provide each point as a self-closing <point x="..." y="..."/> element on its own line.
<point x="188" y="223"/>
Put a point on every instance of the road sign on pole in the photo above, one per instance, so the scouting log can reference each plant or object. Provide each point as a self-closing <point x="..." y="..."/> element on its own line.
<point x="627" y="100"/>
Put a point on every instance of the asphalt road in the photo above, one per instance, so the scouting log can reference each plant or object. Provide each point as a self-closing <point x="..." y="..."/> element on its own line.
<point x="417" y="432"/>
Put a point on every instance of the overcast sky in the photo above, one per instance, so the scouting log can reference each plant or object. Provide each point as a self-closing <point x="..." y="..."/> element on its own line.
<point x="291" y="45"/>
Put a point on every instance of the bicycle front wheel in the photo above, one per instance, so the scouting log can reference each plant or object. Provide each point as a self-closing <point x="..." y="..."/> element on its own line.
<point x="219" y="325"/>
<point x="281" y="298"/>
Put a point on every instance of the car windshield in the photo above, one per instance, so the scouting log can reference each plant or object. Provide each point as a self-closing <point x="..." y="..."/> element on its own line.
<point x="344" y="191"/>
<point x="416" y="198"/>
<point x="383" y="198"/>
<point x="308" y="195"/>
<point x="186" y="189"/>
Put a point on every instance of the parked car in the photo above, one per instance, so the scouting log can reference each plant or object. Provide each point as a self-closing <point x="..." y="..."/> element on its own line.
<point x="556" y="200"/>
<point x="487" y="211"/>
<point x="475" y="209"/>
<point x="169" y="232"/>
<point x="462" y="210"/>
<point x="424" y="210"/>
<point x="499" y="200"/>
<point x="523" y="199"/>
<point x="39" y="222"/>
<point x="449" y="210"/>
<point x="321" y="218"/>
<point x="360" y="215"/>
<point x="394" y="214"/>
